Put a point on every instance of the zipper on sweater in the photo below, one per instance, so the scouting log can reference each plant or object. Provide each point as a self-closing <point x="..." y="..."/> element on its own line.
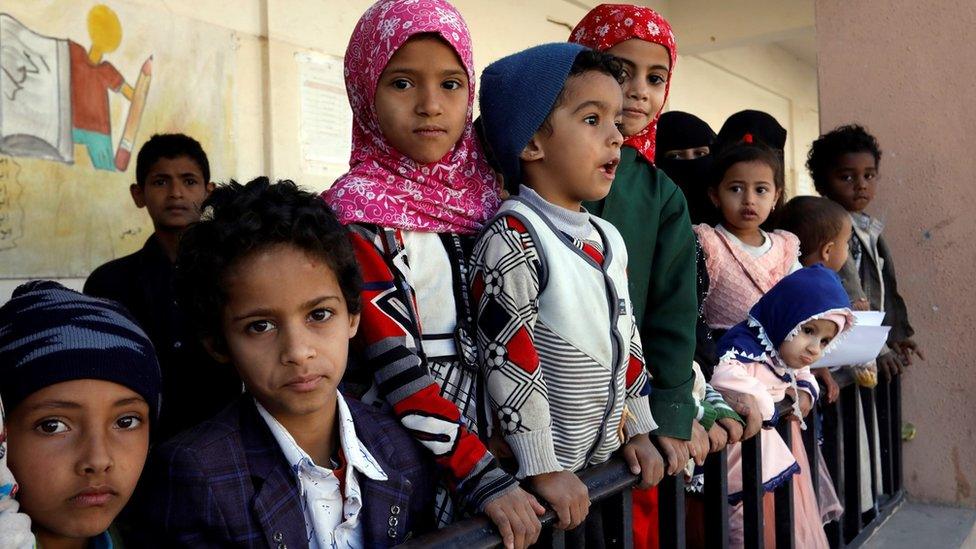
<point x="615" y="341"/>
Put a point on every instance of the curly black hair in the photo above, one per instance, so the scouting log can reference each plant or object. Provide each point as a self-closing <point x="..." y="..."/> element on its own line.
<point x="586" y="61"/>
<point x="851" y="138"/>
<point x="239" y="220"/>
<point x="814" y="220"/>
<point x="170" y="145"/>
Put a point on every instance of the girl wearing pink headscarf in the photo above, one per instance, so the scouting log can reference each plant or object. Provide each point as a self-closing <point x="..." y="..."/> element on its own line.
<point x="417" y="192"/>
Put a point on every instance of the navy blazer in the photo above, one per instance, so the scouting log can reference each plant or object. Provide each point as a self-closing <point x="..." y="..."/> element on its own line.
<point x="227" y="483"/>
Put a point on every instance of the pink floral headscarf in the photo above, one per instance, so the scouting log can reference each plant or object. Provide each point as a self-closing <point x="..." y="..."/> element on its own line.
<point x="607" y="25"/>
<point x="383" y="186"/>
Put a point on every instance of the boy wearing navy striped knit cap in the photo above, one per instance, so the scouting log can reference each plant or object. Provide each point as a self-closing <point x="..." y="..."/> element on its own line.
<point x="81" y="384"/>
<point x="557" y="340"/>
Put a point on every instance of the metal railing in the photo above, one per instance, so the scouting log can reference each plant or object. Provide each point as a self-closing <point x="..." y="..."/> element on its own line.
<point x="611" y="483"/>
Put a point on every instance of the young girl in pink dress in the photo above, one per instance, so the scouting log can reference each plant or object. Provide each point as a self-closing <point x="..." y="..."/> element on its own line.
<point x="769" y="356"/>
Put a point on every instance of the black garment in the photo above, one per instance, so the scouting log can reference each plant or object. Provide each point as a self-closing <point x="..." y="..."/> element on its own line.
<point x="678" y="130"/>
<point x="760" y="125"/>
<point x="195" y="387"/>
<point x="705" y="344"/>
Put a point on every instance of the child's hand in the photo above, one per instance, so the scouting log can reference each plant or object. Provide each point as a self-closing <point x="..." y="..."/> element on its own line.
<point x="644" y="460"/>
<point x="905" y="348"/>
<point x="861" y="305"/>
<point x="699" y="443"/>
<point x="825" y="377"/>
<point x="732" y="428"/>
<point x="498" y="447"/>
<point x="890" y="364"/>
<point x="718" y="437"/>
<point x="567" y="495"/>
<point x="806" y="403"/>
<point x="675" y="452"/>
<point x="516" y="515"/>
<point x="746" y="406"/>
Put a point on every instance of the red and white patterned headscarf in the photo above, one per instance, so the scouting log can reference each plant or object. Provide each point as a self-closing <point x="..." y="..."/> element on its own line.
<point x="384" y="186"/>
<point x="607" y="25"/>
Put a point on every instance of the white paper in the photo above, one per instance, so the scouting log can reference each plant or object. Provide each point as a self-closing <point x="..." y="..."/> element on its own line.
<point x="326" y="119"/>
<point x="869" y="318"/>
<point x="861" y="345"/>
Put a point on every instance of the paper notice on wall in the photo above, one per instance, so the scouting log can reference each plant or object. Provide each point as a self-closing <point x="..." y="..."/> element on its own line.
<point x="326" y="119"/>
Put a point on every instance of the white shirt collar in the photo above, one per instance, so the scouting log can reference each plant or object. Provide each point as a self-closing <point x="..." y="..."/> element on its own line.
<point x="357" y="456"/>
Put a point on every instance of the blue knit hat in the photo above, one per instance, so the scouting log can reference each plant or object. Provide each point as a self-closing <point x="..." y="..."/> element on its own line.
<point x="517" y="94"/>
<point x="50" y="334"/>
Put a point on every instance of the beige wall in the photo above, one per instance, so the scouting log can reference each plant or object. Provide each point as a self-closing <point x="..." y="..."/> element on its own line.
<point x="904" y="72"/>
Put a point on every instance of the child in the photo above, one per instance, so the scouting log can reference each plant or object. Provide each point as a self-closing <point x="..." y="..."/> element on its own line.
<point x="823" y="229"/>
<point x="272" y="286"/>
<point x="844" y="166"/>
<point x="558" y="382"/>
<point x="14" y="525"/>
<point x="82" y="385"/>
<point x="744" y="261"/>
<point x="417" y="192"/>
<point x="172" y="180"/>
<point x="684" y="153"/>
<point x="769" y="355"/>
<point x="652" y="216"/>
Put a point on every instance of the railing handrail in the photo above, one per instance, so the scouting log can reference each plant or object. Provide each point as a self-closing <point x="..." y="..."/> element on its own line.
<point x="602" y="481"/>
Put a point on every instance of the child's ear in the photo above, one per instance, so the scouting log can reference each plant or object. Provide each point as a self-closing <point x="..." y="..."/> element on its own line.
<point x="138" y="197"/>
<point x="713" y="196"/>
<point x="216" y="348"/>
<point x="533" y="150"/>
<point x="353" y="325"/>
<point x="210" y="186"/>
<point x="825" y="252"/>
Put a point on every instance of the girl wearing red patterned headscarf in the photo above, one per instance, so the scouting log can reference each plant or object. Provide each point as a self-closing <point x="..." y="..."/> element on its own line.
<point x="651" y="213"/>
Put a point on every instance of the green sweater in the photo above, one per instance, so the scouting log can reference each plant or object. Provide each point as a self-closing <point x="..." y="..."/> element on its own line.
<point x="650" y="212"/>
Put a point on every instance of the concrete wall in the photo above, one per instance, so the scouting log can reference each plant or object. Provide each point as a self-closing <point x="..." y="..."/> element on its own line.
<point x="904" y="72"/>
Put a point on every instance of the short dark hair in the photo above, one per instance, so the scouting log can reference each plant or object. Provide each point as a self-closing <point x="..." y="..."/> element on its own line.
<point x="170" y="145"/>
<point x="842" y="140"/>
<point x="815" y="220"/>
<point x="586" y="61"/>
<point x="239" y="220"/>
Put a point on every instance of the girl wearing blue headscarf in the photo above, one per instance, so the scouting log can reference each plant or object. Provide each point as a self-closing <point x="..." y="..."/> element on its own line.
<point x="769" y="356"/>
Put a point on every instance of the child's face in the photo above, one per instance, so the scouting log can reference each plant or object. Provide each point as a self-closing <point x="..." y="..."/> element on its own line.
<point x="580" y="156"/>
<point x="746" y="195"/>
<point x="286" y="328"/>
<point x="646" y="67"/>
<point x="839" y="248"/>
<point x="853" y="181"/>
<point x="174" y="190"/>
<point x="808" y="346"/>
<point x="77" y="449"/>
<point x="422" y="99"/>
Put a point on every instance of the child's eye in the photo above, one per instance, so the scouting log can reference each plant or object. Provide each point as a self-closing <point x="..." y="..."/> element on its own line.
<point x="736" y="188"/>
<point x="656" y="80"/>
<point x="158" y="183"/>
<point x="870" y="176"/>
<point x="401" y="84"/>
<point x="824" y="342"/>
<point x="762" y="190"/>
<point x="807" y="330"/>
<point x="320" y="315"/>
<point x="190" y="182"/>
<point x="451" y="85"/>
<point x="592" y="120"/>
<point x="52" y="426"/>
<point x="128" y="422"/>
<point x="625" y="74"/>
<point x="260" y="326"/>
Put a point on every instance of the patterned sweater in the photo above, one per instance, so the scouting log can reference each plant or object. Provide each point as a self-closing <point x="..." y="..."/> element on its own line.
<point x="737" y="278"/>
<point x="559" y="408"/>
<point x="389" y="349"/>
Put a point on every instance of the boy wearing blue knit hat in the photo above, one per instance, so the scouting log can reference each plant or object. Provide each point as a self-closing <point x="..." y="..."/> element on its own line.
<point x="557" y="340"/>
<point x="81" y="383"/>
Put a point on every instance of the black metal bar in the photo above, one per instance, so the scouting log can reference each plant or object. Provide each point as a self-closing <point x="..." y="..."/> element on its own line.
<point x="618" y="512"/>
<point x="867" y="408"/>
<point x="851" y="459"/>
<point x="811" y="443"/>
<point x="671" y="511"/>
<point x="784" y="495"/>
<point x="833" y="451"/>
<point x="896" y="434"/>
<point x="883" y="406"/>
<point x="717" y="501"/>
<point x="752" y="493"/>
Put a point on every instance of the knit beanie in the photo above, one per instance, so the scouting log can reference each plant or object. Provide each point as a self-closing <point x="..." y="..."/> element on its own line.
<point x="50" y="334"/>
<point x="517" y="94"/>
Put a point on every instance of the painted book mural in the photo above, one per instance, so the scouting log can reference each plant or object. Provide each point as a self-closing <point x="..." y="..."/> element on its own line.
<point x="82" y="85"/>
